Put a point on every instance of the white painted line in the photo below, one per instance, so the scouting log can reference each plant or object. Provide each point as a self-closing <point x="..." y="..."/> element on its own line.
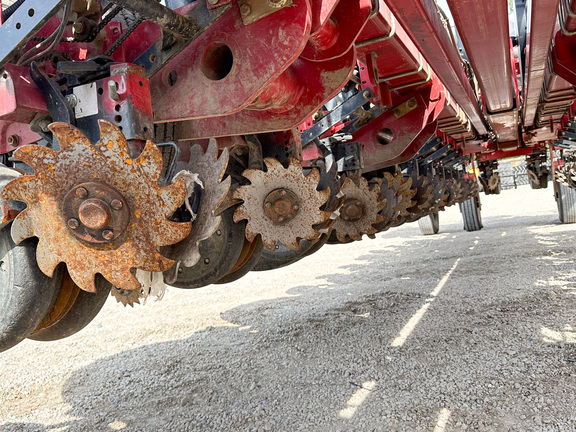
<point x="357" y="399"/>
<point x="442" y="421"/>
<point x="415" y="319"/>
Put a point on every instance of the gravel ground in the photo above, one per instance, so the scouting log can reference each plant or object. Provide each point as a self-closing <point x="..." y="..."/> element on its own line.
<point x="458" y="331"/>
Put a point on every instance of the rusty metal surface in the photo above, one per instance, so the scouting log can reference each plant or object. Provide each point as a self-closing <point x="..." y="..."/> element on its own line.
<point x="209" y="169"/>
<point x="107" y="161"/>
<point x="397" y="192"/>
<point x="96" y="212"/>
<point x="294" y="180"/>
<point x="126" y="297"/>
<point x="360" y="211"/>
<point x="422" y="198"/>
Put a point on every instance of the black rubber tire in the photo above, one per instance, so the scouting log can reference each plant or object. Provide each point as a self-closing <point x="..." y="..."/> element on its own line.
<point x="566" y="204"/>
<point x="219" y="255"/>
<point x="248" y="265"/>
<point x="26" y="294"/>
<point x="282" y="256"/>
<point x="471" y="216"/>
<point x="429" y="225"/>
<point x="82" y="312"/>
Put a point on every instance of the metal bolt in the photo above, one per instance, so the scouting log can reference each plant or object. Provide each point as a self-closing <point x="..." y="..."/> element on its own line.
<point x="280" y="218"/>
<point x="72" y="100"/>
<point x="245" y="10"/>
<point x="268" y="205"/>
<point x="213" y="2"/>
<point x="43" y="125"/>
<point x="412" y="103"/>
<point x="295" y="207"/>
<point x="108" y="234"/>
<point x="78" y="27"/>
<point x="218" y="233"/>
<point x="113" y="90"/>
<point x="81" y="192"/>
<point x="73" y="223"/>
<point x="116" y="204"/>
<point x="13" y="140"/>
<point x="207" y="261"/>
<point x="366" y="94"/>
<point x="282" y="192"/>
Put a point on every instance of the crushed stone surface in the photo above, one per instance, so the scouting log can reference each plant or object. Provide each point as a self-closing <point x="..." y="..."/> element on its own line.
<point x="458" y="331"/>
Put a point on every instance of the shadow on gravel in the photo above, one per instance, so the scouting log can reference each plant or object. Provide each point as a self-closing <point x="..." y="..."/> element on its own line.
<point x="491" y="353"/>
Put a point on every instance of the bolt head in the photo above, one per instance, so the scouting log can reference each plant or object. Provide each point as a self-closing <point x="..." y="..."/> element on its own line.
<point x="13" y="140"/>
<point x="245" y="10"/>
<point x="78" y="27"/>
<point x="366" y="94"/>
<point x="116" y="204"/>
<point x="81" y="192"/>
<point x="73" y="223"/>
<point x="295" y="207"/>
<point x="108" y="234"/>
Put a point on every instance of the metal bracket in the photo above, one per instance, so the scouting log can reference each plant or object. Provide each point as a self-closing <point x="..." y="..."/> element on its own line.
<point x="347" y="155"/>
<point x="336" y="115"/>
<point x="57" y="105"/>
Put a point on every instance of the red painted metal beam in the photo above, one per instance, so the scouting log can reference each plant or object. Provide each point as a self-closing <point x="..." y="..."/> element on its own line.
<point x="421" y="21"/>
<point x="501" y="154"/>
<point x="483" y="28"/>
<point x="542" y="14"/>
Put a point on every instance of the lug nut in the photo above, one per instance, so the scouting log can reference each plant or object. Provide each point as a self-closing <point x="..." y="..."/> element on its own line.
<point x="13" y="140"/>
<point x="81" y="192"/>
<point x="108" y="234"/>
<point x="116" y="204"/>
<point x="73" y="223"/>
<point x="295" y="207"/>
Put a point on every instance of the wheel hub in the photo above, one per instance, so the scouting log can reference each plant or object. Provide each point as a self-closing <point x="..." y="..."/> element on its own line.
<point x="281" y="206"/>
<point x="96" y="212"/>
<point x="352" y="210"/>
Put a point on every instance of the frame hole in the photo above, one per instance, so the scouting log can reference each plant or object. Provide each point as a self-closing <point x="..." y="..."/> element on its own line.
<point x="217" y="61"/>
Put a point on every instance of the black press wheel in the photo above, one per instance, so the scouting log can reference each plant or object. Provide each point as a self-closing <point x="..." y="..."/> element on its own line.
<point x="566" y="202"/>
<point x="26" y="294"/>
<point x="429" y="225"/>
<point x="84" y="309"/>
<point x="470" y="210"/>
